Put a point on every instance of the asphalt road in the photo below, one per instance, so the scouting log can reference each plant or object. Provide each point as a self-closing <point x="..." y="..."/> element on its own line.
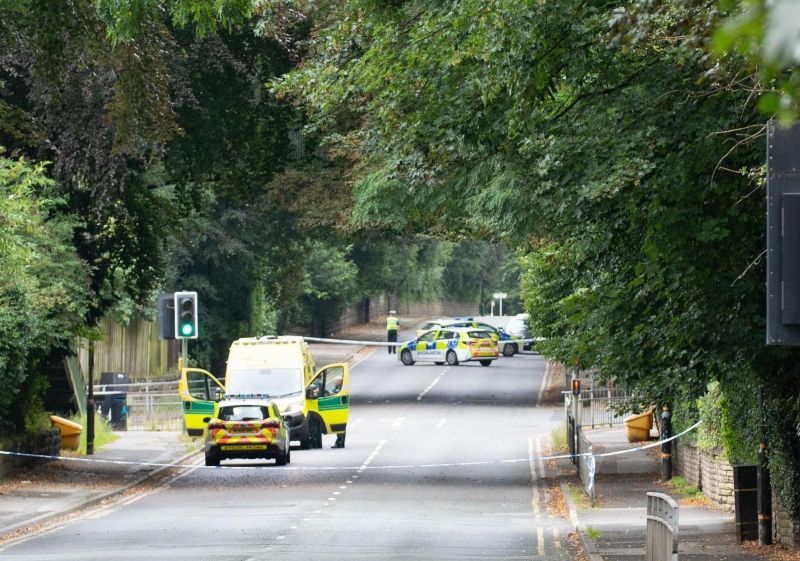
<point x="444" y="429"/>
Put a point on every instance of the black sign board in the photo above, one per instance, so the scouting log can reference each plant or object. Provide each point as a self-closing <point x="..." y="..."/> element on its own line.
<point x="783" y="235"/>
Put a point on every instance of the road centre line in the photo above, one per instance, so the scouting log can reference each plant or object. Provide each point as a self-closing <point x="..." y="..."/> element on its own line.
<point x="429" y="388"/>
<point x="441" y="422"/>
<point x="369" y="459"/>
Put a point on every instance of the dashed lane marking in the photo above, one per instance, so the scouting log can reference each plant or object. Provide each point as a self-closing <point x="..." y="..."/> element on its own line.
<point x="430" y="387"/>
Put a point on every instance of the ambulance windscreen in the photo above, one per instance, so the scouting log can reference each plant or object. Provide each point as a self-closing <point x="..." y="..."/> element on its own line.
<point x="274" y="382"/>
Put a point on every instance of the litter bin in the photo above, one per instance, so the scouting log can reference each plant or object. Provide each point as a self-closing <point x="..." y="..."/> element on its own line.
<point x="112" y="400"/>
<point x="70" y="432"/>
<point x="119" y="411"/>
<point x="113" y="406"/>
<point x="637" y="427"/>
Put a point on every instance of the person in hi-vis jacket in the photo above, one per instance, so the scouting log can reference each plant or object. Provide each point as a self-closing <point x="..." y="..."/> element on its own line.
<point x="392" y="324"/>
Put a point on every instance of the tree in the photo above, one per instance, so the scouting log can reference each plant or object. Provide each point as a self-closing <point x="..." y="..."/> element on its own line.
<point x="43" y="291"/>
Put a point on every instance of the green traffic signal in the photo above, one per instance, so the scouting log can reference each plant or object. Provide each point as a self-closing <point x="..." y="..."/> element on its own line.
<point x="186" y="315"/>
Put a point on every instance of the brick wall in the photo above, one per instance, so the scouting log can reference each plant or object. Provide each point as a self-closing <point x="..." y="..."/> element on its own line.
<point x="711" y="473"/>
<point x="46" y="442"/>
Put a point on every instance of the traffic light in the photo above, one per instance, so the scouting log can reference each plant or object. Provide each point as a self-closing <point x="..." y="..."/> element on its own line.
<point x="186" y="315"/>
<point x="166" y="316"/>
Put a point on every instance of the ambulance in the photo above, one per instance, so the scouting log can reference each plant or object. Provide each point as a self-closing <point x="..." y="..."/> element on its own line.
<point x="280" y="369"/>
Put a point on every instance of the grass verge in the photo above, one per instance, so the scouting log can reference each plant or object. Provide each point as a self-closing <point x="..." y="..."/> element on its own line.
<point x="681" y="486"/>
<point x="558" y="439"/>
<point x="593" y="533"/>
<point x="102" y="432"/>
<point x="579" y="497"/>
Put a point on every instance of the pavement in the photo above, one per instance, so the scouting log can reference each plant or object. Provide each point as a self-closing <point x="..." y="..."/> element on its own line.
<point x="33" y="497"/>
<point x="45" y="493"/>
<point x="614" y="529"/>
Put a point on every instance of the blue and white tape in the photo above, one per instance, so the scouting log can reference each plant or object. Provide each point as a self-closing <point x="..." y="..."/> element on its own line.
<point x="352" y="468"/>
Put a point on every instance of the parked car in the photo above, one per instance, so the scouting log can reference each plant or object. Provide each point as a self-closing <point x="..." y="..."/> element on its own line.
<point x="247" y="428"/>
<point x="450" y="345"/>
<point x="432" y="324"/>
<point x="519" y="327"/>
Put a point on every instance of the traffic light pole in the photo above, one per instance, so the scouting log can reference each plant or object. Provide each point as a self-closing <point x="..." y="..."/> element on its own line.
<point x="90" y="402"/>
<point x="185" y="352"/>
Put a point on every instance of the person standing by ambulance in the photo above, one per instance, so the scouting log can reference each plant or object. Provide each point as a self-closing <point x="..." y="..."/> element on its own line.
<point x="392" y="324"/>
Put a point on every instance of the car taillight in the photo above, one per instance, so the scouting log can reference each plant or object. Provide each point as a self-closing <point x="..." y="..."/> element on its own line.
<point x="271" y="424"/>
<point x="216" y="425"/>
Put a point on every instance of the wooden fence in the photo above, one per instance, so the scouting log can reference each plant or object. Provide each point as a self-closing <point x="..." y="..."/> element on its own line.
<point x="134" y="348"/>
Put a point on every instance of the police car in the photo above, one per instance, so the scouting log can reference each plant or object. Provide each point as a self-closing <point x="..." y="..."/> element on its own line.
<point x="247" y="428"/>
<point x="450" y="345"/>
<point x="433" y="324"/>
<point x="497" y="333"/>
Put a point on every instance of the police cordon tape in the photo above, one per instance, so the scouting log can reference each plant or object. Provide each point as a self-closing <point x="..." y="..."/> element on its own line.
<point x="354" y="468"/>
<point x="387" y="344"/>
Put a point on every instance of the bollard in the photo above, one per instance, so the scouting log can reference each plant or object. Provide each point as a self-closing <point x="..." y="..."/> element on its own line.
<point x="666" y="447"/>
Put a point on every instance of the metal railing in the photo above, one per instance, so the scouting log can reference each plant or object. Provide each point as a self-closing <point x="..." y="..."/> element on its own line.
<point x="662" y="528"/>
<point x="599" y="407"/>
<point x="150" y="405"/>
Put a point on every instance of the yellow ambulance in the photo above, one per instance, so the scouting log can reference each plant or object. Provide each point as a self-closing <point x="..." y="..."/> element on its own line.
<point x="281" y="369"/>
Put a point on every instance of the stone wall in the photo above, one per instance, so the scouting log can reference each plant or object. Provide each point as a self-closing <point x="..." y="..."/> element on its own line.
<point x="46" y="442"/>
<point x="711" y="473"/>
<point x="785" y="531"/>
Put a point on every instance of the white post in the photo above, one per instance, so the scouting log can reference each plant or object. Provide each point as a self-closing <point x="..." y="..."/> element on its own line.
<point x="500" y="296"/>
<point x="492" y="311"/>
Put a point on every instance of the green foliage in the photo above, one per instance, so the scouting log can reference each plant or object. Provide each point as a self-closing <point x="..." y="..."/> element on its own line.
<point x="713" y="412"/>
<point x="619" y="154"/>
<point x="43" y="295"/>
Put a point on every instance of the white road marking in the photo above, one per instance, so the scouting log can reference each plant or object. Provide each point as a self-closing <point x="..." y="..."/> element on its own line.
<point x="441" y="422"/>
<point x="540" y="539"/>
<point x="398" y="422"/>
<point x="371" y="456"/>
<point x="534" y="479"/>
<point x="539" y="456"/>
<point x="545" y="381"/>
<point x="429" y="388"/>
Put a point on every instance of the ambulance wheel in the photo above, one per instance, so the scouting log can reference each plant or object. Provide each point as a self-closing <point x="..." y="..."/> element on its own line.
<point x="451" y="357"/>
<point x="510" y="349"/>
<point x="486" y="363"/>
<point x="212" y="459"/>
<point x="406" y="358"/>
<point x="314" y="433"/>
